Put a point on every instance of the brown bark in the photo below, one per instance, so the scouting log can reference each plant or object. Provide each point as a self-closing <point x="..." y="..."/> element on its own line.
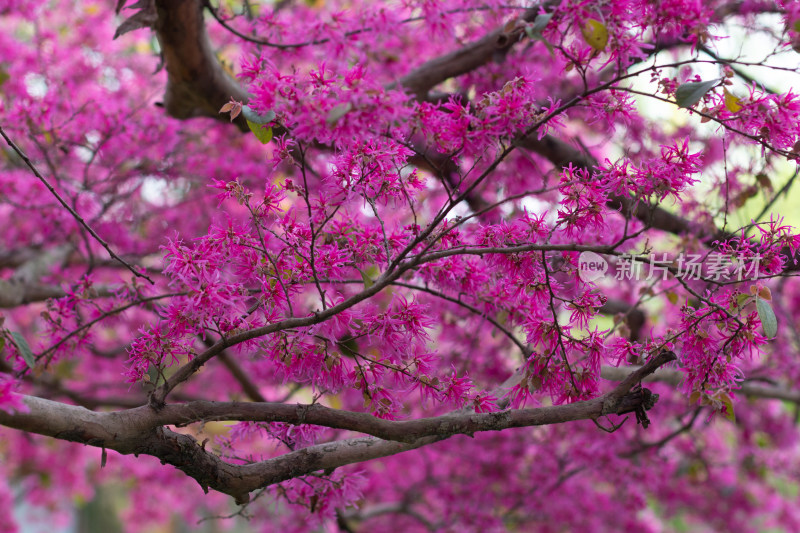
<point x="141" y="431"/>
<point x="197" y="85"/>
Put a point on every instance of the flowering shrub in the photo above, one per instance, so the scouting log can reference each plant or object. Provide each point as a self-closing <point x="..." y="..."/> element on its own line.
<point x="316" y="248"/>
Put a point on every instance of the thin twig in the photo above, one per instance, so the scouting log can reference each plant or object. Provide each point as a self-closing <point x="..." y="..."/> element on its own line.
<point x="72" y="212"/>
<point x="777" y="195"/>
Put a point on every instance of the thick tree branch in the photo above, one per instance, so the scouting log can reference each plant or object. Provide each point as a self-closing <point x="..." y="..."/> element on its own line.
<point x="466" y="59"/>
<point x="613" y="399"/>
<point x="634" y="317"/>
<point x="25" y="285"/>
<point x="14" y="293"/>
<point x="141" y="431"/>
<point x="238" y="373"/>
<point x="197" y="86"/>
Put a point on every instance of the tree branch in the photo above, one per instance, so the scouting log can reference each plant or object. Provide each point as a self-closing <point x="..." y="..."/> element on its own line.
<point x="140" y="431"/>
<point x="633" y="316"/>
<point x="675" y="378"/>
<point x="197" y="85"/>
<point x="613" y="399"/>
<point x="561" y="154"/>
<point x="238" y="373"/>
<point x="157" y="399"/>
<point x="71" y="211"/>
<point x="465" y="59"/>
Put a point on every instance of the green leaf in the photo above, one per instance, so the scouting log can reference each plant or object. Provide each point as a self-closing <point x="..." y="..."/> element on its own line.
<point x="534" y="31"/>
<point x="349" y="345"/>
<point x="540" y="23"/>
<point x="24" y="349"/>
<point x="262" y="133"/>
<point x="672" y="297"/>
<point x="2" y="344"/>
<point x="255" y="118"/>
<point x="688" y="94"/>
<point x="728" y="403"/>
<point x="338" y="112"/>
<point x="366" y="279"/>
<point x="768" y="321"/>
<point x="741" y="301"/>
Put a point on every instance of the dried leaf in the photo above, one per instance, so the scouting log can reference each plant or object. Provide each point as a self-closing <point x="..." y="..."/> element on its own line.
<point x="764" y="180"/>
<point x="761" y="292"/>
<point x="145" y="18"/>
<point x="233" y="107"/>
<point x="672" y="296"/>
